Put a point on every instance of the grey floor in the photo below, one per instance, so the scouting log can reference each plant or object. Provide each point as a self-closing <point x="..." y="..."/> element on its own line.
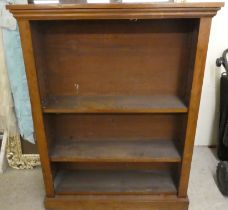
<point x="23" y="190"/>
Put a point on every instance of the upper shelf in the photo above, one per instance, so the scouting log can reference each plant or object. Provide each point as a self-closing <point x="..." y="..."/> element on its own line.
<point x="114" y="104"/>
<point x="117" y="10"/>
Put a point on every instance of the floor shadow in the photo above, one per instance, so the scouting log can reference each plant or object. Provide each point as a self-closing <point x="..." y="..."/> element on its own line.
<point x="214" y="152"/>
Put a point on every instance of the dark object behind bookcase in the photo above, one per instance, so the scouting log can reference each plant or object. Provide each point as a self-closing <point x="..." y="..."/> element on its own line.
<point x="223" y="122"/>
<point x="115" y="92"/>
<point x="222" y="168"/>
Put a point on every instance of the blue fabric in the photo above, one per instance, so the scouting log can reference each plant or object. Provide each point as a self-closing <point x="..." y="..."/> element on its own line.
<point x="18" y="81"/>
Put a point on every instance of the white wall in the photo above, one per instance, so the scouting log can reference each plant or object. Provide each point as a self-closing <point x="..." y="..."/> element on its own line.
<point x="206" y="133"/>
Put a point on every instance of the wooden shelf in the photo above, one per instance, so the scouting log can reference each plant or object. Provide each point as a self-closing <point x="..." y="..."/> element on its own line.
<point x="114" y="151"/>
<point x="114" y="182"/>
<point x="114" y="104"/>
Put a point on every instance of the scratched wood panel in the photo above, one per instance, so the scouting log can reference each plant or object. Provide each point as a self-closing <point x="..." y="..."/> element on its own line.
<point x="114" y="126"/>
<point x="142" y="57"/>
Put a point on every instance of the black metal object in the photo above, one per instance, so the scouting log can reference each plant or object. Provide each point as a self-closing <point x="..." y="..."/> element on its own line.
<point x="223" y="60"/>
<point x="222" y="177"/>
<point x="222" y="168"/>
<point x="223" y="122"/>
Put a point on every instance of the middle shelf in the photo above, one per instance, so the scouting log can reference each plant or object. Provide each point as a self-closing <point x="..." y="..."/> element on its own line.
<point x="70" y="150"/>
<point x="114" y="104"/>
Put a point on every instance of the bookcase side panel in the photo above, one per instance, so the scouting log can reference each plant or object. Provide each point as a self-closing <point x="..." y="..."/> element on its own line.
<point x="201" y="52"/>
<point x="25" y="33"/>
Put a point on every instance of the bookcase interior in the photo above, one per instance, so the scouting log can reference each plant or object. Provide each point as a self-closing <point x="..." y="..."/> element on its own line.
<point x="115" y="97"/>
<point x="95" y="62"/>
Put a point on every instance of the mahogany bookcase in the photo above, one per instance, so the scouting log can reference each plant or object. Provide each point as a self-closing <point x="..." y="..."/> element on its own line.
<point x="115" y="92"/>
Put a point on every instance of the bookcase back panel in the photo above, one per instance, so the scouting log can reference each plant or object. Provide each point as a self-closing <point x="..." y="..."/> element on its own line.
<point x="115" y="126"/>
<point x="115" y="166"/>
<point x="112" y="57"/>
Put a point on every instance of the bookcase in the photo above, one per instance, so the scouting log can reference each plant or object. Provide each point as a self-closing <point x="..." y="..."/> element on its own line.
<point x="115" y="91"/>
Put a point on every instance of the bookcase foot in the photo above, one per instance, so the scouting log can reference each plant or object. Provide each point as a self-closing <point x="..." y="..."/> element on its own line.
<point x="116" y="202"/>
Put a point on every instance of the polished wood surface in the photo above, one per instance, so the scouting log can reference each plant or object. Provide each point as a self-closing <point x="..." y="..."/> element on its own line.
<point x="114" y="182"/>
<point x="115" y="92"/>
<point x="114" y="151"/>
<point x="115" y="11"/>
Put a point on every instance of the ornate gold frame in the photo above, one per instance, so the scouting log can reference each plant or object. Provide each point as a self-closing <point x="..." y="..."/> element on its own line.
<point x="16" y="159"/>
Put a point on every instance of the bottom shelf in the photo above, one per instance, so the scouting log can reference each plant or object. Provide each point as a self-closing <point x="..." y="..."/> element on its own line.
<point x="73" y="182"/>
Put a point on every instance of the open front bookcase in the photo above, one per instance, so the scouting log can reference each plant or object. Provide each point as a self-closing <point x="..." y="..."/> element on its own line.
<point x="115" y="91"/>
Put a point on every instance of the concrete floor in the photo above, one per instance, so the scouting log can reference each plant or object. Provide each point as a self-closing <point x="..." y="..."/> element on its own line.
<point x="23" y="190"/>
